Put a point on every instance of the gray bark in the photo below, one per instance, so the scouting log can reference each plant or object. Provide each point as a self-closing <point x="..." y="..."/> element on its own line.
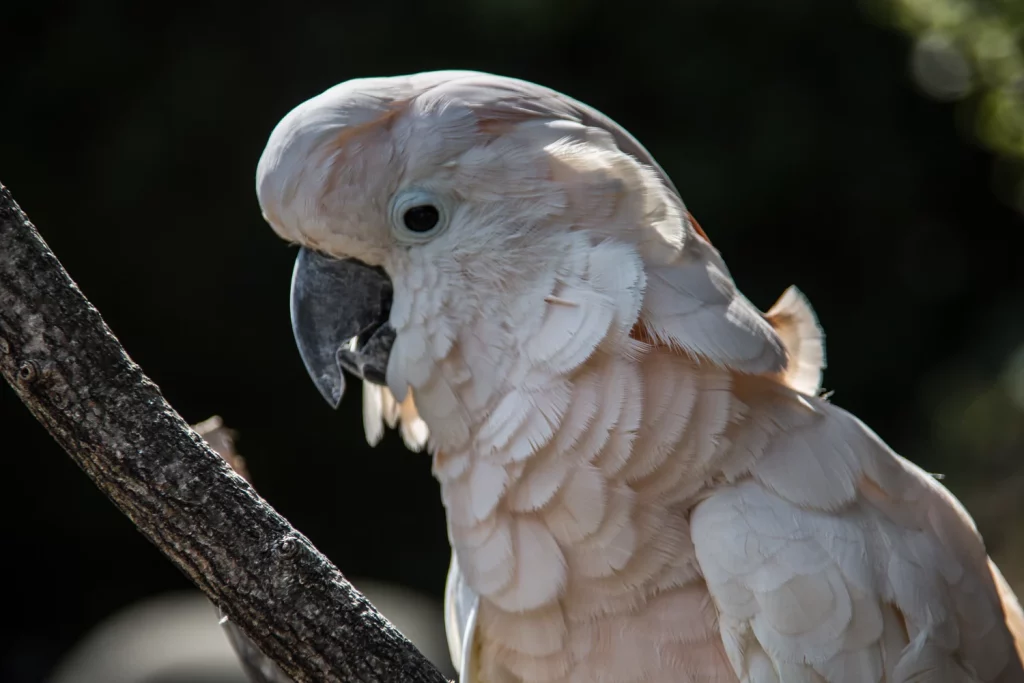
<point x="258" y="667"/>
<point x="69" y="369"/>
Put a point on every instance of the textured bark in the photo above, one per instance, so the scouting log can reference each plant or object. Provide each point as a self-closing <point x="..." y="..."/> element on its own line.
<point x="257" y="666"/>
<point x="71" y="372"/>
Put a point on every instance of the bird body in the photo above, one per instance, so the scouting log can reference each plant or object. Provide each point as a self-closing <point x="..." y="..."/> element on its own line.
<point x="642" y="483"/>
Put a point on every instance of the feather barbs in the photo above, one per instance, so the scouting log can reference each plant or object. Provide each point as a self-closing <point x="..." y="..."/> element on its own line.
<point x="795" y="322"/>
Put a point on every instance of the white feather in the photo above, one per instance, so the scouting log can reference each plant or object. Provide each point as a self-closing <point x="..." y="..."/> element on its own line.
<point x="797" y="326"/>
<point x="373" y="413"/>
<point x="540" y="572"/>
<point x="693" y="305"/>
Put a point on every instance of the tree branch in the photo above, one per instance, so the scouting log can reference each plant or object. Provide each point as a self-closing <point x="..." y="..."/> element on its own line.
<point x="257" y="666"/>
<point x="71" y="372"/>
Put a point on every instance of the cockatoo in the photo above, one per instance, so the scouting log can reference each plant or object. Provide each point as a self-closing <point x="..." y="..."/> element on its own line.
<point x="641" y="481"/>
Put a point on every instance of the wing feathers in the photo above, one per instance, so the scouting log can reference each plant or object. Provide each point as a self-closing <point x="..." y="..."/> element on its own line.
<point x="841" y="580"/>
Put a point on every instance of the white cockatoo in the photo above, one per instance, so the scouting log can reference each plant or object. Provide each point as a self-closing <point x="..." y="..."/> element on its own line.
<point x="641" y="481"/>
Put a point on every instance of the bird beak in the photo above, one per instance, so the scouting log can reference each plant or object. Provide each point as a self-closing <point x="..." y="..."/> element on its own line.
<point x="340" y="311"/>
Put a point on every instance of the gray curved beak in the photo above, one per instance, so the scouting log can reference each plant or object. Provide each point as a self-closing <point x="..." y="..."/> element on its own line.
<point x="340" y="311"/>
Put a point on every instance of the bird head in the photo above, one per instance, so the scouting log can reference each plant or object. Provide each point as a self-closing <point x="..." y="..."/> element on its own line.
<point x="461" y="215"/>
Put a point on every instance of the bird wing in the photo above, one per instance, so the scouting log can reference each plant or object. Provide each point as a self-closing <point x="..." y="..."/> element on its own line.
<point x="838" y="561"/>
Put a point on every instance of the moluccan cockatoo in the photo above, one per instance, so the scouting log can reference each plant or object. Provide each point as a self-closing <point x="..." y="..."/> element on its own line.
<point x="641" y="481"/>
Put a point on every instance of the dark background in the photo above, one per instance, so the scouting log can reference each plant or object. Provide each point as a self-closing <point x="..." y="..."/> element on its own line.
<point x="130" y="132"/>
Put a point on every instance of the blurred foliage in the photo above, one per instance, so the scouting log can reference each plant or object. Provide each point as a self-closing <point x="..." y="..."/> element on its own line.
<point x="794" y="131"/>
<point x="973" y="50"/>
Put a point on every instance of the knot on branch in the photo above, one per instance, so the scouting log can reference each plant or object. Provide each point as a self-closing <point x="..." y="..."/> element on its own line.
<point x="28" y="371"/>
<point x="288" y="546"/>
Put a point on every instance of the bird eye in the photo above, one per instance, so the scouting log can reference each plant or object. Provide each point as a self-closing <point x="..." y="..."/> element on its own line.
<point x="417" y="215"/>
<point x="421" y="218"/>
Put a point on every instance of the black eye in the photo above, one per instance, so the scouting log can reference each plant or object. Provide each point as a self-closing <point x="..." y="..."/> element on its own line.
<point x="421" y="218"/>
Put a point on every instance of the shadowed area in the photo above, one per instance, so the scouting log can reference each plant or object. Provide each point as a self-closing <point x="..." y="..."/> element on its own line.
<point x="815" y="143"/>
